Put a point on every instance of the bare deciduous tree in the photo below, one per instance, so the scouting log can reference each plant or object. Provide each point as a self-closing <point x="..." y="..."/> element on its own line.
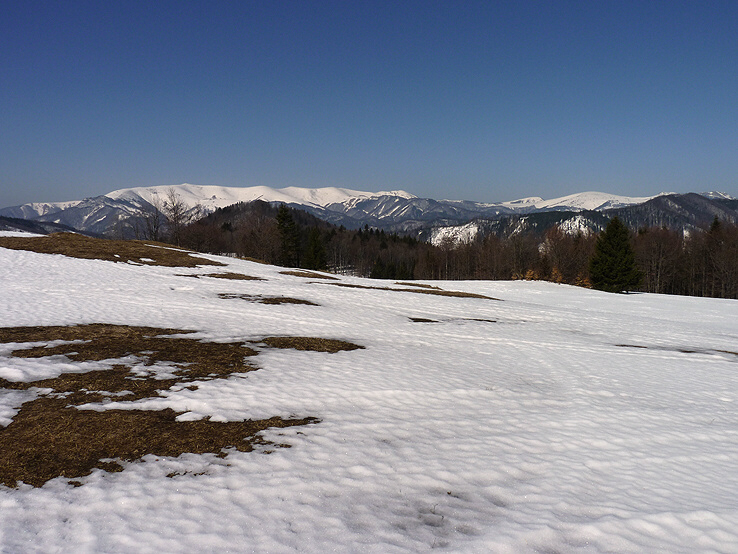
<point x="152" y="219"/>
<point x="178" y="214"/>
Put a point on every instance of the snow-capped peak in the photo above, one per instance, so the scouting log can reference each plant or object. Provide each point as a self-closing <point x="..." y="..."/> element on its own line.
<point x="717" y="195"/>
<point x="590" y="200"/>
<point x="212" y="197"/>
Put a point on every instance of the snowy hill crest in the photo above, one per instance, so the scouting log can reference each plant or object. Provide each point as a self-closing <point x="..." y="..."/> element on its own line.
<point x="394" y="210"/>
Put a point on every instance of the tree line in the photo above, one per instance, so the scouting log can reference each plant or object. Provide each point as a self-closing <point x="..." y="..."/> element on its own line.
<point x="700" y="263"/>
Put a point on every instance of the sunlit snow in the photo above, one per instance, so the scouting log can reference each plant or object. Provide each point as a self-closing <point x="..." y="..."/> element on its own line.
<point x="211" y="197"/>
<point x="555" y="419"/>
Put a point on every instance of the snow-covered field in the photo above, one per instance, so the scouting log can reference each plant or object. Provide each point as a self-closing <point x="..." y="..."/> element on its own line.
<point x="554" y="419"/>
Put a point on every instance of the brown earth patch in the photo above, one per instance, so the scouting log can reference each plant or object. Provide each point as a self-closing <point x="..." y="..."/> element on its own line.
<point x="310" y="343"/>
<point x="434" y="291"/>
<point x="481" y="320"/>
<point x="267" y="299"/>
<point x="134" y="251"/>
<point x="193" y="358"/>
<point x="426" y="320"/>
<point x="680" y="350"/>
<point x="418" y="285"/>
<point x="50" y="437"/>
<point x="227" y="275"/>
<point x="308" y="275"/>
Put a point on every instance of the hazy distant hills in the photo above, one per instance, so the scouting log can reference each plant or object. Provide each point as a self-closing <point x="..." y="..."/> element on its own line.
<point x="30" y="226"/>
<point x="115" y="213"/>
<point x="684" y="212"/>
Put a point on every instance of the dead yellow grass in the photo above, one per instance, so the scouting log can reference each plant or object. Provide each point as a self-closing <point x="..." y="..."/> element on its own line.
<point x="434" y="291"/>
<point x="133" y="251"/>
<point x="50" y="437"/>
<point x="310" y="343"/>
<point x="266" y="299"/>
<point x="228" y="276"/>
<point x="417" y="285"/>
<point x="308" y="275"/>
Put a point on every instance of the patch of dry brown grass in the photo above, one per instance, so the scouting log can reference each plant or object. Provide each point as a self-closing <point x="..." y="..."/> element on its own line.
<point x="308" y="275"/>
<point x="230" y="276"/>
<point x="418" y="285"/>
<point x="134" y="251"/>
<point x="434" y="291"/>
<point x="194" y="358"/>
<point x="49" y="437"/>
<point x="310" y="343"/>
<point x="267" y="299"/>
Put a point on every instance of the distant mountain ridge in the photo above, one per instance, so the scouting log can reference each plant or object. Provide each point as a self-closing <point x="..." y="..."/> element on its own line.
<point x="115" y="213"/>
<point x="684" y="212"/>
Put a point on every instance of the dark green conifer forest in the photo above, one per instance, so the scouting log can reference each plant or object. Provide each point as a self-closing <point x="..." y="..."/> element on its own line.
<point x="612" y="267"/>
<point x="649" y="259"/>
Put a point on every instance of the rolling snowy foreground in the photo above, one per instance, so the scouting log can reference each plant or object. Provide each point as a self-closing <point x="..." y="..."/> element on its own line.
<point x="555" y="419"/>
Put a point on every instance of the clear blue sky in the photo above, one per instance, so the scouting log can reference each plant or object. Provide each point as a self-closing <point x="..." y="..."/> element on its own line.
<point x="489" y="100"/>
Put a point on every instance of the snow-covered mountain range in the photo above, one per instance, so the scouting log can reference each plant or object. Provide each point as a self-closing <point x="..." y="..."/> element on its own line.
<point x="397" y="210"/>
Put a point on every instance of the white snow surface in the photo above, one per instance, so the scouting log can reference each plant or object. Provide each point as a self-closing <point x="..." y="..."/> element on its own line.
<point x="213" y="196"/>
<point x="514" y="425"/>
<point x="455" y="235"/>
<point x="580" y="201"/>
<point x="574" y="225"/>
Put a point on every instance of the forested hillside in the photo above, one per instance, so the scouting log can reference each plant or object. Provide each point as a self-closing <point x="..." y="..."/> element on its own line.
<point x="671" y="262"/>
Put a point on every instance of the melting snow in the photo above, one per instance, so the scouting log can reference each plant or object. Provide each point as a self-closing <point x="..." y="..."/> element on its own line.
<point x="556" y="420"/>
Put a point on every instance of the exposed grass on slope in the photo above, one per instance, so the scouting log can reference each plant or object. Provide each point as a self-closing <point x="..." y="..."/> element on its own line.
<point x="132" y="251"/>
<point x="227" y="275"/>
<point x="308" y="275"/>
<point x="434" y="291"/>
<point x="310" y="343"/>
<point x="417" y="285"/>
<point x="50" y="437"/>
<point x="267" y="299"/>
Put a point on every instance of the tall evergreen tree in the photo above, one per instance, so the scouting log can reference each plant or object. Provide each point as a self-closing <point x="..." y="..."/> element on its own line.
<point x="315" y="256"/>
<point x="613" y="267"/>
<point x="289" y="238"/>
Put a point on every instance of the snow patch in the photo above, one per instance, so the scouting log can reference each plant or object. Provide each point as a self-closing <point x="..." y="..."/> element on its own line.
<point x="456" y="235"/>
<point x="559" y="419"/>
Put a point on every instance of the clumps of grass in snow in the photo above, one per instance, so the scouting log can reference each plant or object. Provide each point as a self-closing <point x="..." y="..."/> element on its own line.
<point x="680" y="350"/>
<point x="434" y="290"/>
<point x="426" y="320"/>
<point x="267" y="299"/>
<point x="50" y="437"/>
<point x="311" y="343"/>
<point x="133" y="251"/>
<point x="308" y="275"/>
<point x="193" y="358"/>
<point x="227" y="275"/>
<point x="417" y="285"/>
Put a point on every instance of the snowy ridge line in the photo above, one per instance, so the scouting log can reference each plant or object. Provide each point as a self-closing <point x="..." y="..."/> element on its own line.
<point x="119" y="211"/>
<point x="213" y="196"/>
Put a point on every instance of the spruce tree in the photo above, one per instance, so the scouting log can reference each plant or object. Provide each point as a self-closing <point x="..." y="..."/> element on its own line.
<point x="315" y="256"/>
<point x="613" y="267"/>
<point x="289" y="238"/>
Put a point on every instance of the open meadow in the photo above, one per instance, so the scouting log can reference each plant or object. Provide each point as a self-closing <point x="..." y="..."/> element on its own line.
<point x="153" y="400"/>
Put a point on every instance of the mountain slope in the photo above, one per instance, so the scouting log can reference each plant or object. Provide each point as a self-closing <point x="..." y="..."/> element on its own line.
<point x="115" y="213"/>
<point x="555" y="419"/>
